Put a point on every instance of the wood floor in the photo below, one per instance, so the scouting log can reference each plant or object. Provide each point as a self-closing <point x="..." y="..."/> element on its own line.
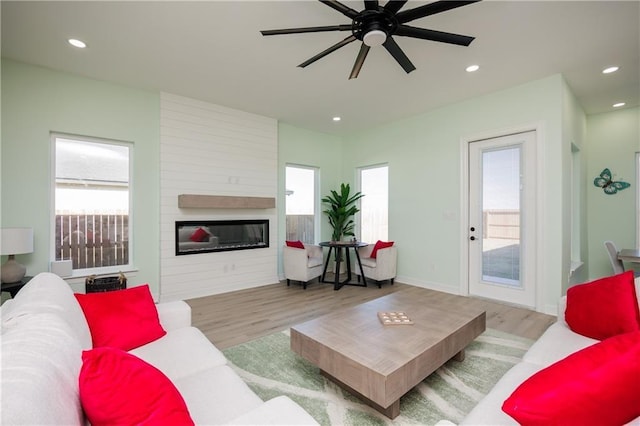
<point x="232" y="318"/>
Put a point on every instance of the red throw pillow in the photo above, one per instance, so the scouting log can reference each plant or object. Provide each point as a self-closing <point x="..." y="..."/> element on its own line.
<point x="380" y="245"/>
<point x="603" y="308"/>
<point x="199" y="235"/>
<point x="123" y="319"/>
<point x="598" y="385"/>
<point x="117" y="388"/>
<point x="295" y="244"/>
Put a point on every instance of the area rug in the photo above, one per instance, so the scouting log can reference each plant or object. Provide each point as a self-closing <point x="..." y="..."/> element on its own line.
<point x="271" y="369"/>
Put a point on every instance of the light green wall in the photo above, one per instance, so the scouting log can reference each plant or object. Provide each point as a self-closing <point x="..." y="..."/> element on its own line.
<point x="306" y="148"/>
<point x="612" y="141"/>
<point x="36" y="101"/>
<point x="423" y="153"/>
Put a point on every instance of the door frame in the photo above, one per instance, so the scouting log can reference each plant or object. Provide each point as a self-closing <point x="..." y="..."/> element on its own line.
<point x="538" y="128"/>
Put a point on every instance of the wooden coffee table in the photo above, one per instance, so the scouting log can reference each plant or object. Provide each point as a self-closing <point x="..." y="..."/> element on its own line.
<point x="380" y="363"/>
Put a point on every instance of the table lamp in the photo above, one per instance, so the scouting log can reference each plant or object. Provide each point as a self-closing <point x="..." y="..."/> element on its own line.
<point x="15" y="241"/>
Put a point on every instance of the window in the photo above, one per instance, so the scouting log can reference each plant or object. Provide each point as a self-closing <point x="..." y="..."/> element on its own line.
<point x="301" y="217"/>
<point x="374" y="206"/>
<point x="91" y="197"/>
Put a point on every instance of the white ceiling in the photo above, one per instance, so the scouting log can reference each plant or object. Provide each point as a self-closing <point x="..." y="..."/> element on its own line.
<point x="213" y="51"/>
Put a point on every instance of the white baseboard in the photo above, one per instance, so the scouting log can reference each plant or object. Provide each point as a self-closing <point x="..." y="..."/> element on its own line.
<point x="428" y="284"/>
<point x="551" y="309"/>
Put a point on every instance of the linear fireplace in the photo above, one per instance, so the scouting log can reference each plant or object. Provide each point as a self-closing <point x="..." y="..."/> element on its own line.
<point x="204" y="236"/>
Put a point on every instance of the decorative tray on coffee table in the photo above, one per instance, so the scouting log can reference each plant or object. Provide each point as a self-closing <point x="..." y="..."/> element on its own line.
<point x="394" y="318"/>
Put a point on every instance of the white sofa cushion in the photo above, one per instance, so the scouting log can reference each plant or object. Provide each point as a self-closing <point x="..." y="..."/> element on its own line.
<point x="216" y="396"/>
<point x="555" y="344"/>
<point x="314" y="261"/>
<point x="48" y="292"/>
<point x="489" y="410"/>
<point x="174" y="315"/>
<point x="40" y="367"/>
<point x="367" y="261"/>
<point x="181" y="353"/>
<point x="277" y="411"/>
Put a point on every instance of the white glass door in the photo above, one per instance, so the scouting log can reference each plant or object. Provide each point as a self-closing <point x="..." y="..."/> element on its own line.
<point x="502" y="219"/>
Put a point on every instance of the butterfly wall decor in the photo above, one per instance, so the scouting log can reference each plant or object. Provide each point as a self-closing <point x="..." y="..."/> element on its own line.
<point x="608" y="185"/>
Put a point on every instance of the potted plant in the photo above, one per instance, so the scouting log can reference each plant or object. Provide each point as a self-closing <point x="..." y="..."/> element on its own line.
<point x="342" y="208"/>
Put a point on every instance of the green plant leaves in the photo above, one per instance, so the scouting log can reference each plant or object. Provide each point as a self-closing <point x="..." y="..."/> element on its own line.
<point x="342" y="208"/>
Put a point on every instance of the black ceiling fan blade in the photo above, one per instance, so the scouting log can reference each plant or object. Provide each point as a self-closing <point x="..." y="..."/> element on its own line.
<point x="431" y="9"/>
<point x="394" y="6"/>
<point x="425" y="34"/>
<point x="395" y="51"/>
<point x="327" y="51"/>
<point x="306" y="30"/>
<point x="357" y="66"/>
<point x="345" y="10"/>
<point x="371" y="4"/>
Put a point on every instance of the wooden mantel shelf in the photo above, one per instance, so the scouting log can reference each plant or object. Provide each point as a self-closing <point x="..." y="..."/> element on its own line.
<point x="194" y="201"/>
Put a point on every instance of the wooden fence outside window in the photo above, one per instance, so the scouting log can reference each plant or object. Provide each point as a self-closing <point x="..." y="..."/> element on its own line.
<point x="503" y="224"/>
<point x="92" y="241"/>
<point x="300" y="227"/>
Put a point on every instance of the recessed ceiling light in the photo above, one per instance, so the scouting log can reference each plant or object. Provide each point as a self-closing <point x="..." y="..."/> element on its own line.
<point x="619" y="104"/>
<point x="473" y="68"/>
<point x="337" y="118"/>
<point x="609" y="70"/>
<point x="77" y="43"/>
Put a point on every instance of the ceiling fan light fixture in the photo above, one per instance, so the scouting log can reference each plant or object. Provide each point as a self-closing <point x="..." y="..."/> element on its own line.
<point x="377" y="25"/>
<point x="374" y="38"/>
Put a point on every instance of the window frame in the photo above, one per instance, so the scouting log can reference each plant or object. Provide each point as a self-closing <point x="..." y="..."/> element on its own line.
<point x="128" y="267"/>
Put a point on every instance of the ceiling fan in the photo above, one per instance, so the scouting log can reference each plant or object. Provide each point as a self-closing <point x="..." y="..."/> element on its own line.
<point x="376" y="25"/>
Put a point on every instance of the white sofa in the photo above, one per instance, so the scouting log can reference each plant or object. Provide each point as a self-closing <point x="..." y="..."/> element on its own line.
<point x="44" y="332"/>
<point x="556" y="343"/>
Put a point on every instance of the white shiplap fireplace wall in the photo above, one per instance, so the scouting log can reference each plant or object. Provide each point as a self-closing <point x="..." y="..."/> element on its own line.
<point x="213" y="150"/>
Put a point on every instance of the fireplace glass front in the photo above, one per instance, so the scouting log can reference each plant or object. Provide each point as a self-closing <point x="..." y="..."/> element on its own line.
<point x="206" y="236"/>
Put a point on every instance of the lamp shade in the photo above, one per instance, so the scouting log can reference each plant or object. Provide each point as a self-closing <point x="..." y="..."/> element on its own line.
<point x="16" y="241"/>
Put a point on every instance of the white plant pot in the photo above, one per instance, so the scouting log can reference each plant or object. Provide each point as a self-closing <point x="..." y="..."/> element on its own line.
<point x="343" y="267"/>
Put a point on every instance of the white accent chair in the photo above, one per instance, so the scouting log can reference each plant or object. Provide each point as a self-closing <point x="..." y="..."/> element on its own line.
<point x="302" y="265"/>
<point x="616" y="264"/>
<point x="382" y="268"/>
